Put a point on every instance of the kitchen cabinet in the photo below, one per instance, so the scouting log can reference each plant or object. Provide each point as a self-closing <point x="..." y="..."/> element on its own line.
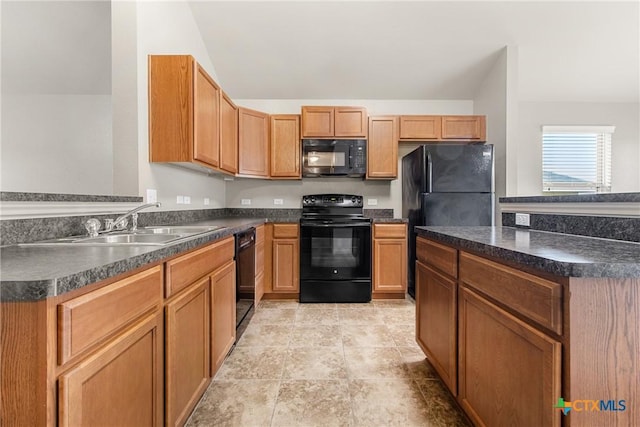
<point x="285" y="146"/>
<point x="223" y="314"/>
<point x="334" y="122"/>
<point x="420" y="127"/>
<point x="184" y="112"/>
<point x="443" y="128"/>
<point x="253" y="143"/>
<point x="464" y="128"/>
<point x="228" y="135"/>
<point x="283" y="260"/>
<point x="389" y="260"/>
<point x="382" y="148"/>
<point x="187" y="350"/>
<point x="436" y="309"/>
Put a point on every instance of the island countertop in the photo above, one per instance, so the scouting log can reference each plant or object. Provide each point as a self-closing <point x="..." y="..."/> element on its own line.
<point x="556" y="253"/>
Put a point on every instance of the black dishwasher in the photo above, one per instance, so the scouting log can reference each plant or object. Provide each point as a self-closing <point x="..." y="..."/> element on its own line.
<point x="245" y="275"/>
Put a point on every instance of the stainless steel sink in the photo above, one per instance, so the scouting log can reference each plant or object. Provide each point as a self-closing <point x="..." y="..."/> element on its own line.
<point x="155" y="235"/>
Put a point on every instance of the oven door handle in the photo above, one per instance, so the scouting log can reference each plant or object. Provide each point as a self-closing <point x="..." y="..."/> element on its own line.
<point x="339" y="225"/>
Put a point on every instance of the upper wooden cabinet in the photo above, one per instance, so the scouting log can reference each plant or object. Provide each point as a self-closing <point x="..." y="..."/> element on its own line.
<point x="253" y="143"/>
<point x="228" y="135"/>
<point x="285" y="146"/>
<point x="464" y="127"/>
<point x="443" y="128"/>
<point x="382" y="148"/>
<point x="184" y="112"/>
<point x="334" y="122"/>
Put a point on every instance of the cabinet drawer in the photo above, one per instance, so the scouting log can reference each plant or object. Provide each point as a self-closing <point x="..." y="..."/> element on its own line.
<point x="186" y="269"/>
<point x="389" y="231"/>
<point x="90" y="318"/>
<point x="538" y="299"/>
<point x="440" y="256"/>
<point x="283" y="231"/>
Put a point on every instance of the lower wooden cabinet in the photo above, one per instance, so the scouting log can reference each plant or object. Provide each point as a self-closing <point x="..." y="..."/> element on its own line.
<point x="186" y="351"/>
<point x="510" y="373"/>
<point x="285" y="258"/>
<point x="436" y="322"/>
<point x="223" y="314"/>
<point x="120" y="385"/>
<point x="389" y="260"/>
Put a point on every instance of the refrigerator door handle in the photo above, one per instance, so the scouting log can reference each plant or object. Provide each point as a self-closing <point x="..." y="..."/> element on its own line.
<point x="428" y="173"/>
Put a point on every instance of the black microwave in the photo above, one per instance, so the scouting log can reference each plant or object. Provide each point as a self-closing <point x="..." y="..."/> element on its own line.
<point x="334" y="157"/>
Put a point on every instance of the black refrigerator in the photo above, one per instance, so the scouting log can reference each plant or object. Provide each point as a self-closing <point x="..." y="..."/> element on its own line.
<point x="446" y="184"/>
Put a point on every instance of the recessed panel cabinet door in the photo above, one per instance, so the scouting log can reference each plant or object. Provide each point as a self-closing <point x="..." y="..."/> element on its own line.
<point x="382" y="148"/>
<point x="350" y="122"/>
<point x="121" y="385"/>
<point x="285" y="146"/>
<point x="286" y="265"/>
<point x="206" y="99"/>
<point x="228" y="135"/>
<point x="253" y="143"/>
<point x="223" y="314"/>
<point x="509" y="371"/>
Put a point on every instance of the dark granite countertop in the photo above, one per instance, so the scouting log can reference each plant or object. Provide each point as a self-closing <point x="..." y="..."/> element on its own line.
<point x="32" y="273"/>
<point x="556" y="253"/>
<point x="576" y="198"/>
<point x="390" y="220"/>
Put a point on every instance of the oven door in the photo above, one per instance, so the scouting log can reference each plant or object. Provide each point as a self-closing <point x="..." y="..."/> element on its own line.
<point x="333" y="250"/>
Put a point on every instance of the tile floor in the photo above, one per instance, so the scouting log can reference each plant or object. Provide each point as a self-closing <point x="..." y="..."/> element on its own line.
<point x="328" y="365"/>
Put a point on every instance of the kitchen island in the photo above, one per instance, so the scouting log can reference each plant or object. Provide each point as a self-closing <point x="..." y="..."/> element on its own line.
<point x="521" y="325"/>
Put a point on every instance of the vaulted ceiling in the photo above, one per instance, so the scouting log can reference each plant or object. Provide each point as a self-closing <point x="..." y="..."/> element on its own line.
<point x="567" y="50"/>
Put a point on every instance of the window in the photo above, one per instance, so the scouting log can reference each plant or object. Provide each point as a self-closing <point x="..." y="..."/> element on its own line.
<point x="576" y="158"/>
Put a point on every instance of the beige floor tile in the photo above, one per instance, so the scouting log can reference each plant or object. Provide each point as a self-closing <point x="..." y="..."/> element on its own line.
<point x="320" y="316"/>
<point x="416" y="363"/>
<point x="314" y="305"/>
<point x="374" y="363"/>
<point x="366" y="336"/>
<point x="388" y="402"/>
<point x="398" y="315"/>
<point x="359" y="316"/>
<point x="275" y="316"/>
<point x="264" y="363"/>
<point x="316" y="336"/>
<point x="403" y="335"/>
<point x="315" y="363"/>
<point x="258" y="334"/>
<point x="236" y="403"/>
<point x="442" y="409"/>
<point x="357" y="305"/>
<point x="382" y="303"/>
<point x="313" y="403"/>
<point x="277" y="303"/>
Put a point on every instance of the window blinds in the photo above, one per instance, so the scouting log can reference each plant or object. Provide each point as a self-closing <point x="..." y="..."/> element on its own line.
<point x="576" y="158"/>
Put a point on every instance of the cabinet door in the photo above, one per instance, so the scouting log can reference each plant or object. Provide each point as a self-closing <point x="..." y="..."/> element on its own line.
<point x="120" y="385"/>
<point x="260" y="239"/>
<point x="253" y="143"/>
<point x="350" y="122"/>
<point x="285" y="146"/>
<point x="464" y="127"/>
<point x="187" y="351"/>
<point x="509" y="371"/>
<point x="228" y="135"/>
<point x="286" y="265"/>
<point x="436" y="322"/>
<point x="420" y="127"/>
<point x="382" y="150"/>
<point x="317" y="122"/>
<point x="389" y="258"/>
<point x="206" y="125"/>
<point x="223" y="314"/>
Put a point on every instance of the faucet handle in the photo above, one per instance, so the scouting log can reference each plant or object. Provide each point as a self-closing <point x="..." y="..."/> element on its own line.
<point x="134" y="222"/>
<point x="92" y="225"/>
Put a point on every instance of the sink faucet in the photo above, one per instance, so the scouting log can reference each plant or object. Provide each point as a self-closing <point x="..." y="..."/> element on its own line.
<point x="120" y="223"/>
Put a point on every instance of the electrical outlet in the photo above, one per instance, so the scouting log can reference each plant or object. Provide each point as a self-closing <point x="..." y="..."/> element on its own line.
<point x="207" y="202"/>
<point x="152" y="195"/>
<point x="180" y="200"/>
<point x="522" y="219"/>
<point x="245" y="201"/>
<point x="278" y="201"/>
<point x="187" y="200"/>
<point x="372" y="202"/>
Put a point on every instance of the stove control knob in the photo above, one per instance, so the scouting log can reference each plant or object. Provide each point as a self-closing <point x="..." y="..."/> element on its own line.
<point x="313" y="199"/>
<point x="354" y="199"/>
<point x="305" y="200"/>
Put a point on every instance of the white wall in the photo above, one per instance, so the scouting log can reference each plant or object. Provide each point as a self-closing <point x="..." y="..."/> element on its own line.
<point x="49" y="141"/>
<point x="387" y="193"/>
<point x="625" y="147"/>
<point x="169" y="28"/>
